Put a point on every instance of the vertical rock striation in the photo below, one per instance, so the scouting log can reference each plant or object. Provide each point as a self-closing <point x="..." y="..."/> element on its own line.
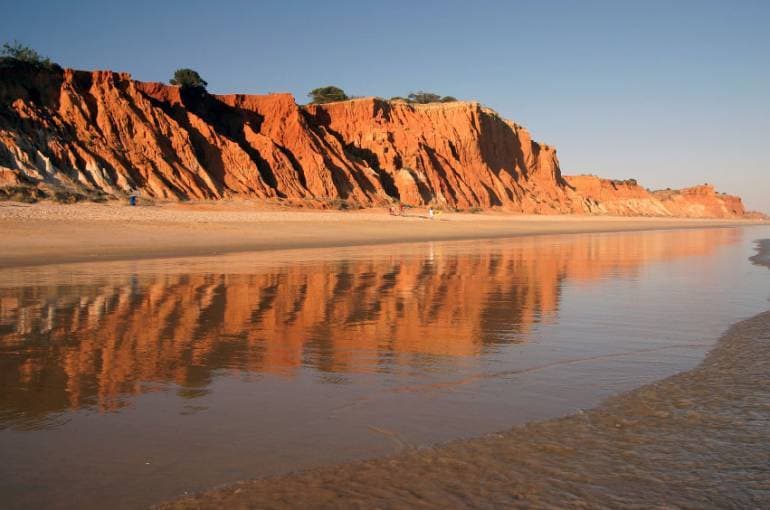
<point x="103" y="132"/>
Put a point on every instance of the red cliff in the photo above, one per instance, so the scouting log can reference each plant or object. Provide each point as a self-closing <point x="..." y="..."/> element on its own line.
<point x="627" y="198"/>
<point x="104" y="132"/>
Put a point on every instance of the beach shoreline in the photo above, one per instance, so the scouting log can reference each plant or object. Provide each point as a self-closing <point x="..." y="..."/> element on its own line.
<point x="47" y="233"/>
<point x="645" y="445"/>
<point x="641" y="445"/>
<point x="638" y="443"/>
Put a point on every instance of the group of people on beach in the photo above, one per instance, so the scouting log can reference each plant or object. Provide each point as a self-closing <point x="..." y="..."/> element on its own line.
<point x="398" y="210"/>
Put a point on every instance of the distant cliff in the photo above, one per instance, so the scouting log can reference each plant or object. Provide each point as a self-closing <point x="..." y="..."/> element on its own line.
<point x="627" y="198"/>
<point x="104" y="132"/>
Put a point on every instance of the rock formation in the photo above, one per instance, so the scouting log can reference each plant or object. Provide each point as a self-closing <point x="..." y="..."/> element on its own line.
<point x="627" y="198"/>
<point x="103" y="133"/>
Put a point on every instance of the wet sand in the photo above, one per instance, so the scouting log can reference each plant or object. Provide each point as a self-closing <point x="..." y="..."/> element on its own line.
<point x="762" y="258"/>
<point x="51" y="233"/>
<point x="696" y="439"/>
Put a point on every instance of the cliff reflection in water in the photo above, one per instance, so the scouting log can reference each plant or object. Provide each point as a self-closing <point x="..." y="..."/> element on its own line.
<point x="92" y="340"/>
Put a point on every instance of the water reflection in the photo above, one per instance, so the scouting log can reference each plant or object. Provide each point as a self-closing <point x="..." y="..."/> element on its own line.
<point x="93" y="336"/>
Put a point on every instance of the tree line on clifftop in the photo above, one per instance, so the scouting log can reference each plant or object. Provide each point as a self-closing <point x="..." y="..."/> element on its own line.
<point x="186" y="78"/>
<point x="332" y="94"/>
<point x="16" y="53"/>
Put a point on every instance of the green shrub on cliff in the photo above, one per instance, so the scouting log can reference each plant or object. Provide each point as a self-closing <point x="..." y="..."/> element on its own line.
<point x="328" y="94"/>
<point x="17" y="52"/>
<point x="187" y="79"/>
<point x="422" y="97"/>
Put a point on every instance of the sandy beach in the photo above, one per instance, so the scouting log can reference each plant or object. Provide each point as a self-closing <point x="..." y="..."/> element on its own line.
<point x="47" y="233"/>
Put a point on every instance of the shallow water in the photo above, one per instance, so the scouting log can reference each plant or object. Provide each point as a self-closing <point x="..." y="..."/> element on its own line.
<point x="700" y="439"/>
<point x="129" y="383"/>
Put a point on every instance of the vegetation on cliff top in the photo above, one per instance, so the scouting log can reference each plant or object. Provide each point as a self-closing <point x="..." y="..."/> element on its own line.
<point x="188" y="79"/>
<point x="16" y="53"/>
<point x="332" y="94"/>
<point x="422" y="97"/>
<point x="328" y="94"/>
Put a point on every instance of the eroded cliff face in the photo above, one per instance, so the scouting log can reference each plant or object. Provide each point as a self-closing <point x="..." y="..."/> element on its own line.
<point x="627" y="198"/>
<point x="700" y="202"/>
<point x="104" y="132"/>
<point x="459" y="154"/>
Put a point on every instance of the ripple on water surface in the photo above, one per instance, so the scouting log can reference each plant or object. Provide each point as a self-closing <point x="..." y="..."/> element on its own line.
<point x="695" y="440"/>
<point x="138" y="381"/>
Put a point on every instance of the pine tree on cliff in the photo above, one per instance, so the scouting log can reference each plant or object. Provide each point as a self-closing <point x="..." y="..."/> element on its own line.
<point x="188" y="79"/>
<point x="328" y="94"/>
<point x="422" y="97"/>
<point x="16" y="52"/>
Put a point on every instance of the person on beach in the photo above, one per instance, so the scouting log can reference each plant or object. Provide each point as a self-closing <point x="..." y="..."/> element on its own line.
<point x="430" y="212"/>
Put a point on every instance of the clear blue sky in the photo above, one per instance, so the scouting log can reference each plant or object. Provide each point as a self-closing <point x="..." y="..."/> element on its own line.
<point x="673" y="93"/>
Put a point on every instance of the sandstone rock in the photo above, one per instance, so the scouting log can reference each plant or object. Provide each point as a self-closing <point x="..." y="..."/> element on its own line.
<point x="619" y="198"/>
<point x="701" y="202"/>
<point x="627" y="198"/>
<point x="103" y="131"/>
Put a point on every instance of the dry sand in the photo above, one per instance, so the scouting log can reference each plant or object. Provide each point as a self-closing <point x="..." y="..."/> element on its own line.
<point x="47" y="233"/>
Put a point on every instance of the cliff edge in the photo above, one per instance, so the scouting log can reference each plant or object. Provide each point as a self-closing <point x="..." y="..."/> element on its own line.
<point x="102" y="132"/>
